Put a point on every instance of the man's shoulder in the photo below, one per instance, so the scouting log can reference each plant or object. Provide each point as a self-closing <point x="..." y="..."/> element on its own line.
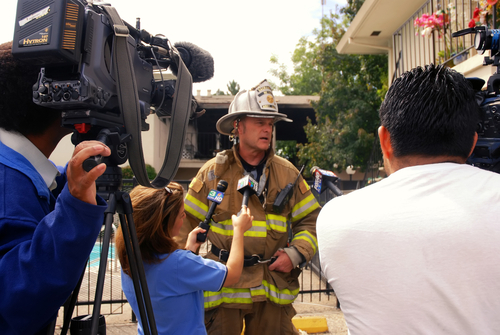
<point x="278" y="162"/>
<point x="222" y="158"/>
<point x="217" y="166"/>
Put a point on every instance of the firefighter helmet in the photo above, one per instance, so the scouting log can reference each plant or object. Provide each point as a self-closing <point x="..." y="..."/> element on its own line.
<point x="257" y="102"/>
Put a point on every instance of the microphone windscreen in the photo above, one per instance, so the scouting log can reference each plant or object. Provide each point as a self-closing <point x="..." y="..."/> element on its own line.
<point x="222" y="186"/>
<point x="199" y="62"/>
<point x="314" y="168"/>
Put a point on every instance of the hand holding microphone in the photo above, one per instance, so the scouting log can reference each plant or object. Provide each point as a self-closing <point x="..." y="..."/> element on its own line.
<point x="247" y="186"/>
<point x="216" y="198"/>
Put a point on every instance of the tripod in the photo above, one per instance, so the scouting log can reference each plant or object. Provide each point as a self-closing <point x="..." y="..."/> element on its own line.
<point x="108" y="187"/>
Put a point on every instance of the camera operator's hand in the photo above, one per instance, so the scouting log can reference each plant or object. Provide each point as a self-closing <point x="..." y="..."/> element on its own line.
<point x="81" y="184"/>
<point x="192" y="242"/>
<point x="282" y="263"/>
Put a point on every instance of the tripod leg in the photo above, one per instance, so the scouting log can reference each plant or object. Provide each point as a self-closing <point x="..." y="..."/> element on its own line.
<point x="137" y="267"/>
<point x="103" y="263"/>
<point x="69" y="308"/>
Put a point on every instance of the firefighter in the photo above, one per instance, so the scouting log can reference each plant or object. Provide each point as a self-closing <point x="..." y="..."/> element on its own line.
<point x="269" y="284"/>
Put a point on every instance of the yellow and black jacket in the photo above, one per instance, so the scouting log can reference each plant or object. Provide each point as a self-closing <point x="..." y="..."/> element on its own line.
<point x="269" y="230"/>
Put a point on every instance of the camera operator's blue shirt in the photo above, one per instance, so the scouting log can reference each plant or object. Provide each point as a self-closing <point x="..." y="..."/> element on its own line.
<point x="176" y="287"/>
<point x="45" y="239"/>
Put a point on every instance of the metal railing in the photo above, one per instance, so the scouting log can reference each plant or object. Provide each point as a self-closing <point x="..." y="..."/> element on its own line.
<point x="411" y="49"/>
<point x="204" y="145"/>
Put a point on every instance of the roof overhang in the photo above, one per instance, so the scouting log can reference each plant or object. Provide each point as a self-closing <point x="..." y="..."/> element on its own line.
<point x="371" y="30"/>
<point x="286" y="101"/>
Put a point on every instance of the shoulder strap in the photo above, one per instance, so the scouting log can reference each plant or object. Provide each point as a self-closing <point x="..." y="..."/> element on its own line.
<point x="129" y="106"/>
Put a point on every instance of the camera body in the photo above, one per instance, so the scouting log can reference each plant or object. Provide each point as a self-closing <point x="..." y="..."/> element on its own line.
<point x="486" y="153"/>
<point x="100" y="72"/>
<point x="73" y="43"/>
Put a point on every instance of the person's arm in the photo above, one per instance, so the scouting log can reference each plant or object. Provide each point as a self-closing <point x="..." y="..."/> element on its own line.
<point x="42" y="255"/>
<point x="304" y="244"/>
<point x="236" y="257"/>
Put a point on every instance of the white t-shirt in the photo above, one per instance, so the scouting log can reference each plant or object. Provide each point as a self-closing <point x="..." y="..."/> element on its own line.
<point x="417" y="253"/>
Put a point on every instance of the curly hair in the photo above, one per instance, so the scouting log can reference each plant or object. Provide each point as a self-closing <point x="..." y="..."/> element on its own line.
<point x="17" y="111"/>
<point x="154" y="214"/>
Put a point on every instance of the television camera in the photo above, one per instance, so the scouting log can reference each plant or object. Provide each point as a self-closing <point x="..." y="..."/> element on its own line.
<point x="486" y="154"/>
<point x="107" y="76"/>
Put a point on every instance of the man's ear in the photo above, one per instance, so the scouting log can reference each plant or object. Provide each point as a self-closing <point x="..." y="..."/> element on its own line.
<point x="473" y="144"/>
<point x="385" y="142"/>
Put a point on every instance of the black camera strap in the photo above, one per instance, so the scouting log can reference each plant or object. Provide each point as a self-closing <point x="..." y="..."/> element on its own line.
<point x="130" y="108"/>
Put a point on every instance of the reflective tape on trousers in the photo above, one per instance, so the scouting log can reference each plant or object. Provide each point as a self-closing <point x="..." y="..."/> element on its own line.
<point x="247" y="296"/>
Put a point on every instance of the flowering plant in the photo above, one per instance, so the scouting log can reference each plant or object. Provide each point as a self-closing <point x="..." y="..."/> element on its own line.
<point x="479" y="18"/>
<point x="430" y="23"/>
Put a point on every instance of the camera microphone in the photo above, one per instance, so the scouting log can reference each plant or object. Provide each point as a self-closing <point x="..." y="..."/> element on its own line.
<point x="247" y="186"/>
<point x="199" y="62"/>
<point x="325" y="177"/>
<point x="216" y="198"/>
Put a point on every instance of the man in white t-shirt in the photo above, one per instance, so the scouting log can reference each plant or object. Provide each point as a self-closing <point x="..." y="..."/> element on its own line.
<point x="419" y="252"/>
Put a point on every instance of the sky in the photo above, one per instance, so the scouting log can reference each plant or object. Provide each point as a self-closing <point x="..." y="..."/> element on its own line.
<point x="241" y="36"/>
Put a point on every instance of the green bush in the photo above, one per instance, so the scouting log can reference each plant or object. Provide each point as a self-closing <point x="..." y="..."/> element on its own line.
<point x="127" y="172"/>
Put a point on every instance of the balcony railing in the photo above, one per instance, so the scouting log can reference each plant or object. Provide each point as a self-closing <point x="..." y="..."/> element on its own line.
<point x="204" y="145"/>
<point x="411" y="49"/>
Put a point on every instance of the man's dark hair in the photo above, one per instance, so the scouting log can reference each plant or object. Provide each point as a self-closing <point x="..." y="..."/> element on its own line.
<point x="430" y="112"/>
<point x="17" y="110"/>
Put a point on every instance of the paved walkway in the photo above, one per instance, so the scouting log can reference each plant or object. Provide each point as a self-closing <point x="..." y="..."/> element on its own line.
<point x="121" y="324"/>
<point x="118" y="316"/>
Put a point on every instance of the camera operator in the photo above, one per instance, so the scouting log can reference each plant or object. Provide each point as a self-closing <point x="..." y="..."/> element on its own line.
<point x="269" y="283"/>
<point x="49" y="216"/>
<point x="419" y="252"/>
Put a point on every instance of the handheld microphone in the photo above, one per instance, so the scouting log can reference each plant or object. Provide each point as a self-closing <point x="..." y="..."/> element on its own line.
<point x="327" y="178"/>
<point x="216" y="198"/>
<point x="199" y="62"/>
<point x="247" y="186"/>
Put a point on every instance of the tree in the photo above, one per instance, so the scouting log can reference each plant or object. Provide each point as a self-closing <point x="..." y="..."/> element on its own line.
<point x="288" y="150"/>
<point x="351" y="91"/>
<point x="306" y="78"/>
<point x="233" y="87"/>
<point x="219" y="92"/>
<point x="127" y="172"/>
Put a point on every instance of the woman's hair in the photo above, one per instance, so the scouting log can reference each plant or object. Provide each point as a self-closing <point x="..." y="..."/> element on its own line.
<point x="154" y="213"/>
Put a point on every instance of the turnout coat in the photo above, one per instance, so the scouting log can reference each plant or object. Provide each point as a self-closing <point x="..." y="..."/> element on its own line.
<point x="270" y="231"/>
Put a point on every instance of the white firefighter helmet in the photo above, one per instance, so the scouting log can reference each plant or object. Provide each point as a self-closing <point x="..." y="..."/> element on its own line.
<point x="257" y="102"/>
